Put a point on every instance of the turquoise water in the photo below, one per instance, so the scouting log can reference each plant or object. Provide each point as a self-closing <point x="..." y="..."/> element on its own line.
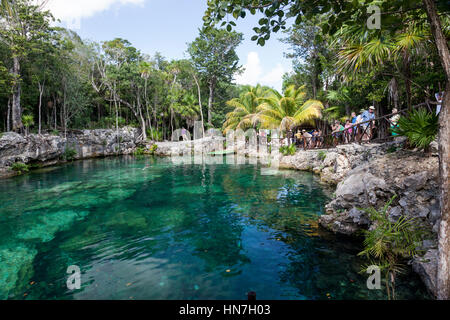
<point x="144" y="228"/>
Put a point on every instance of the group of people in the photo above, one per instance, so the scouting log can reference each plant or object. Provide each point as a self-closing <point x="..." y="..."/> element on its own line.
<point x="359" y="127"/>
<point x="312" y="139"/>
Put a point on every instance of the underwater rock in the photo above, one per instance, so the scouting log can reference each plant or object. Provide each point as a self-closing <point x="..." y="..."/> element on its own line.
<point x="16" y="267"/>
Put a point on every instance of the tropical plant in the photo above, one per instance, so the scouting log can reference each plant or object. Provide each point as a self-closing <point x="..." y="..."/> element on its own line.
<point x="244" y="115"/>
<point x="69" y="154"/>
<point x="322" y="155"/>
<point x="153" y="149"/>
<point x="28" y="121"/>
<point x="288" y="110"/>
<point x="20" y="167"/>
<point x="140" y="151"/>
<point x="420" y="127"/>
<point x="390" y="243"/>
<point x="288" y="150"/>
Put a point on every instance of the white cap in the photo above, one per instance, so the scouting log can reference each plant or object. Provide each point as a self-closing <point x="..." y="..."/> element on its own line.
<point x="372" y="107"/>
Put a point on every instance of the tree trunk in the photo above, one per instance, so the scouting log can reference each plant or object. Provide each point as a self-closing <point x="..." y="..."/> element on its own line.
<point x="17" y="125"/>
<point x="200" y="103"/>
<point x="443" y="276"/>
<point x="212" y="88"/>
<point x="8" y="117"/>
<point x="407" y="75"/>
<point x="41" y="91"/>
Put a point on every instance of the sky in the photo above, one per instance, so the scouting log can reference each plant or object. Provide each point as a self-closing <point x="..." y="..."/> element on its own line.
<point x="166" y="26"/>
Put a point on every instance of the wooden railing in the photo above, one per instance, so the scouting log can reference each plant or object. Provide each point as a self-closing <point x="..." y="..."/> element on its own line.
<point x="377" y="130"/>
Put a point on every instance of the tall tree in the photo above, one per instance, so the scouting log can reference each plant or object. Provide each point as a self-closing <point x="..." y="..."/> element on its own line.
<point x="443" y="276"/>
<point x="23" y="25"/>
<point x="214" y="56"/>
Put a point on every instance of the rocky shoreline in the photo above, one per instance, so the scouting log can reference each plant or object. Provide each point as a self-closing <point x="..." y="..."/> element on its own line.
<point x="364" y="175"/>
<point x="47" y="149"/>
<point x="369" y="176"/>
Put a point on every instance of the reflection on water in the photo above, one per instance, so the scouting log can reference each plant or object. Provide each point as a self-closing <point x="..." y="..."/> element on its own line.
<point x="148" y="229"/>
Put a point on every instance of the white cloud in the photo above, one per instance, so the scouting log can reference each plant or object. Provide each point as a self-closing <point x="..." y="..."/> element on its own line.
<point x="255" y="74"/>
<point x="71" y="12"/>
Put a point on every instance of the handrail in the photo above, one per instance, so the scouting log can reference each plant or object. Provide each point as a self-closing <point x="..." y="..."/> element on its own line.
<point x="358" y="132"/>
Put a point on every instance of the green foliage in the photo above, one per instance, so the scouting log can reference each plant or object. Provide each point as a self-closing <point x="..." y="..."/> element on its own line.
<point x="390" y="243"/>
<point x="69" y="154"/>
<point x="322" y="155"/>
<point x="153" y="149"/>
<point x="140" y="151"/>
<point x="28" y="120"/>
<point x="288" y="150"/>
<point x="20" y="167"/>
<point x="420" y="127"/>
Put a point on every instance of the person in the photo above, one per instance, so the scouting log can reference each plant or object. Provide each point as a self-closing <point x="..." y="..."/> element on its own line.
<point x="354" y="117"/>
<point x="368" y="125"/>
<point x="315" y="138"/>
<point x="439" y="97"/>
<point x="306" y="138"/>
<point x="338" y="129"/>
<point x="298" y="137"/>
<point x="394" y="121"/>
<point x="319" y="139"/>
<point x="348" y="131"/>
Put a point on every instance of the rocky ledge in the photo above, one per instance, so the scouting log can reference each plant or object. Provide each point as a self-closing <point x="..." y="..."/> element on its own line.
<point x="47" y="149"/>
<point x="369" y="176"/>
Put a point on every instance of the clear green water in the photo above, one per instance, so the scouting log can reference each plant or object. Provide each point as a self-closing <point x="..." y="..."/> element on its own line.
<point x="148" y="229"/>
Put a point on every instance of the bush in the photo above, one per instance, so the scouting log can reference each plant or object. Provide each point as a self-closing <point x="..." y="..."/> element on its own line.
<point x="140" y="151"/>
<point x="390" y="243"/>
<point x="55" y="132"/>
<point x="69" y="154"/>
<point x="20" y="167"/>
<point x="288" y="150"/>
<point x="322" y="155"/>
<point x="157" y="134"/>
<point x="153" y="149"/>
<point x="420" y="127"/>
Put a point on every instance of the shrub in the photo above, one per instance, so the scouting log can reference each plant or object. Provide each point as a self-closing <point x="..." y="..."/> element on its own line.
<point x="157" y="135"/>
<point x="153" y="149"/>
<point x="69" y="154"/>
<point x="322" y="155"/>
<point x="288" y="150"/>
<point x="55" y="132"/>
<point x="20" y="167"/>
<point x="390" y="243"/>
<point x="420" y="127"/>
<point x="140" y="151"/>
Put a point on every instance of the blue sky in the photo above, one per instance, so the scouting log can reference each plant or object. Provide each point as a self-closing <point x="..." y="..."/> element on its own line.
<point x="167" y="26"/>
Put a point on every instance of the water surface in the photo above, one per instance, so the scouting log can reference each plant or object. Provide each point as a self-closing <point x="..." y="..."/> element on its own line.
<point x="145" y="228"/>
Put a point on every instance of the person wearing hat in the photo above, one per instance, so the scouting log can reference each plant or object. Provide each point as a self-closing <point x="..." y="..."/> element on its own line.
<point x="306" y="138"/>
<point x="367" y="124"/>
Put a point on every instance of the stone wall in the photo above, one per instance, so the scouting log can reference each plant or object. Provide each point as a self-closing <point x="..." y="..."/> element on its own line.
<point x="48" y="149"/>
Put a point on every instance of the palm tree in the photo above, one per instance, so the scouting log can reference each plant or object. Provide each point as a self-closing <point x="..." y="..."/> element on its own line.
<point x="359" y="50"/>
<point x="288" y="110"/>
<point x="244" y="115"/>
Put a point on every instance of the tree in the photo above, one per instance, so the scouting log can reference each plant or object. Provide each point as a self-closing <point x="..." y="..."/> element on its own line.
<point x="24" y="24"/>
<point x="215" y="59"/>
<point x="244" y="115"/>
<point x="288" y="110"/>
<point x="354" y="13"/>
<point x="443" y="277"/>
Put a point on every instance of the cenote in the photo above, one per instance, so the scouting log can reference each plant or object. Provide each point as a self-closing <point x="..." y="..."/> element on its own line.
<point x="145" y="228"/>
